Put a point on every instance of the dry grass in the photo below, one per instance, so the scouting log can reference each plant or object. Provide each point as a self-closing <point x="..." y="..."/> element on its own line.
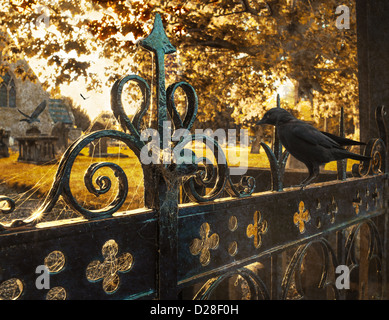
<point x="38" y="179"/>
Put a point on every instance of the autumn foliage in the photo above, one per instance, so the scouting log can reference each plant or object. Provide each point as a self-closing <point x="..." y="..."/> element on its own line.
<point x="236" y="54"/>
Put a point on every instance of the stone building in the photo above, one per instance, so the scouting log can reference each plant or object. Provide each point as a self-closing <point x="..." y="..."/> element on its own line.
<point x="26" y="95"/>
<point x="23" y="95"/>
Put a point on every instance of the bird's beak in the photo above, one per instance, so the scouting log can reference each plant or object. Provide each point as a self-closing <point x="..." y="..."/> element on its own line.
<point x="260" y="122"/>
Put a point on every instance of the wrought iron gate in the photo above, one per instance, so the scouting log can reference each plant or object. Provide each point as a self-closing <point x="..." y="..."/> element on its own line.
<point x="230" y="242"/>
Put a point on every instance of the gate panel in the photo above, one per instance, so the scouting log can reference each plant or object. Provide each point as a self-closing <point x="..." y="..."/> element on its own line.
<point x="235" y="232"/>
<point x="113" y="258"/>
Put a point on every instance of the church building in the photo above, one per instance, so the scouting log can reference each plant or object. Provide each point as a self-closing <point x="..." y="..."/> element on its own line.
<point x="19" y="98"/>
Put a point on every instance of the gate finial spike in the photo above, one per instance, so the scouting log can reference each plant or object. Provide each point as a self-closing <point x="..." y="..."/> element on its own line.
<point x="159" y="43"/>
<point x="157" y="39"/>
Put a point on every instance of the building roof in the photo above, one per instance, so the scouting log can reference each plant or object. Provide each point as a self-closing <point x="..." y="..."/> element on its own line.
<point x="59" y="112"/>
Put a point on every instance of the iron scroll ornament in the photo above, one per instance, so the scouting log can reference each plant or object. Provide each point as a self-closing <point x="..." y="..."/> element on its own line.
<point x="184" y="168"/>
<point x="376" y="149"/>
<point x="185" y="164"/>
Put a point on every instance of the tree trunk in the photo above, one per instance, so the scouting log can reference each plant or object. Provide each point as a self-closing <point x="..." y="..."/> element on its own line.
<point x="255" y="146"/>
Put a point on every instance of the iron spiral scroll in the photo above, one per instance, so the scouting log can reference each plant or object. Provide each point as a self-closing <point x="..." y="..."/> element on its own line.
<point x="375" y="149"/>
<point x="184" y="168"/>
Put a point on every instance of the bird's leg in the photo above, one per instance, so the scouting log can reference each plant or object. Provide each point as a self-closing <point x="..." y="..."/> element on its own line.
<point x="313" y="173"/>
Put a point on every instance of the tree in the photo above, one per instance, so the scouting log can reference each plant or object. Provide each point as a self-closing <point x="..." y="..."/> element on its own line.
<point x="81" y="117"/>
<point x="235" y="53"/>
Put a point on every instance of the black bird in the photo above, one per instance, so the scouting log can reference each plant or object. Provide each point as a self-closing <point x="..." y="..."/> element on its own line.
<point x="307" y="144"/>
<point x="34" y="116"/>
<point x="83" y="96"/>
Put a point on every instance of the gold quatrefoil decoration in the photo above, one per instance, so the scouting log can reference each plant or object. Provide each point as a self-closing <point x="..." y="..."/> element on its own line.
<point x="109" y="268"/>
<point x="301" y="217"/>
<point x="257" y="229"/>
<point x="203" y="245"/>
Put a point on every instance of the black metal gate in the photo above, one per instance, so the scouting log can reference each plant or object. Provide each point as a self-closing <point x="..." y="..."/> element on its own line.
<point x="230" y="242"/>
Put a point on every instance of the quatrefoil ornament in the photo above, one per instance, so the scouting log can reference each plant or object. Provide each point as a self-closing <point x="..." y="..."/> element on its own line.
<point x="357" y="202"/>
<point x="203" y="245"/>
<point x="332" y="210"/>
<point x="109" y="268"/>
<point x="257" y="229"/>
<point x="301" y="217"/>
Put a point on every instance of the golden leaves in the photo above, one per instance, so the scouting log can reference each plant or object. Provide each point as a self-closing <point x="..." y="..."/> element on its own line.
<point x="233" y="58"/>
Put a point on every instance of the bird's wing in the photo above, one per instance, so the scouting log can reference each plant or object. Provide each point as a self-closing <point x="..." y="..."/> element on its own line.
<point x="310" y="134"/>
<point x="23" y="114"/>
<point x="343" y="141"/>
<point x="39" y="109"/>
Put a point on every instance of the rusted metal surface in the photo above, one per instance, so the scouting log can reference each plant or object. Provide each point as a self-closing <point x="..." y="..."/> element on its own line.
<point x="284" y="243"/>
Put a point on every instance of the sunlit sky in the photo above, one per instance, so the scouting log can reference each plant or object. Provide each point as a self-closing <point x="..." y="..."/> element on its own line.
<point x="95" y="102"/>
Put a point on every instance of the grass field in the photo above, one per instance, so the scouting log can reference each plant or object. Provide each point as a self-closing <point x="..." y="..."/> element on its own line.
<point x="38" y="179"/>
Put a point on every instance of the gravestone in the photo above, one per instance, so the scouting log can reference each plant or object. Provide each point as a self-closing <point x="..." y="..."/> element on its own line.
<point x="33" y="131"/>
<point x="293" y="163"/>
<point x="98" y="148"/>
<point x="36" y="148"/>
<point x="4" y="138"/>
<point x="63" y="128"/>
<point x="61" y="131"/>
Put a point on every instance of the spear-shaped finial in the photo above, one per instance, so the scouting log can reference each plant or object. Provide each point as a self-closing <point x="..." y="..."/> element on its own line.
<point x="341" y="164"/>
<point x="159" y="43"/>
<point x="277" y="143"/>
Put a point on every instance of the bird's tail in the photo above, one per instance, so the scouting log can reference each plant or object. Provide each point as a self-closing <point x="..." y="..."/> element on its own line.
<point x="343" y="154"/>
<point x="343" y="141"/>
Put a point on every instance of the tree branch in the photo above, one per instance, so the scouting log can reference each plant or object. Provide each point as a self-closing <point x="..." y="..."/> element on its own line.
<point x="256" y="12"/>
<point x="224" y="44"/>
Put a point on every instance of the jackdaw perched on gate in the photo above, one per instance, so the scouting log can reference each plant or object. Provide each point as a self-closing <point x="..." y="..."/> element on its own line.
<point x="307" y="144"/>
